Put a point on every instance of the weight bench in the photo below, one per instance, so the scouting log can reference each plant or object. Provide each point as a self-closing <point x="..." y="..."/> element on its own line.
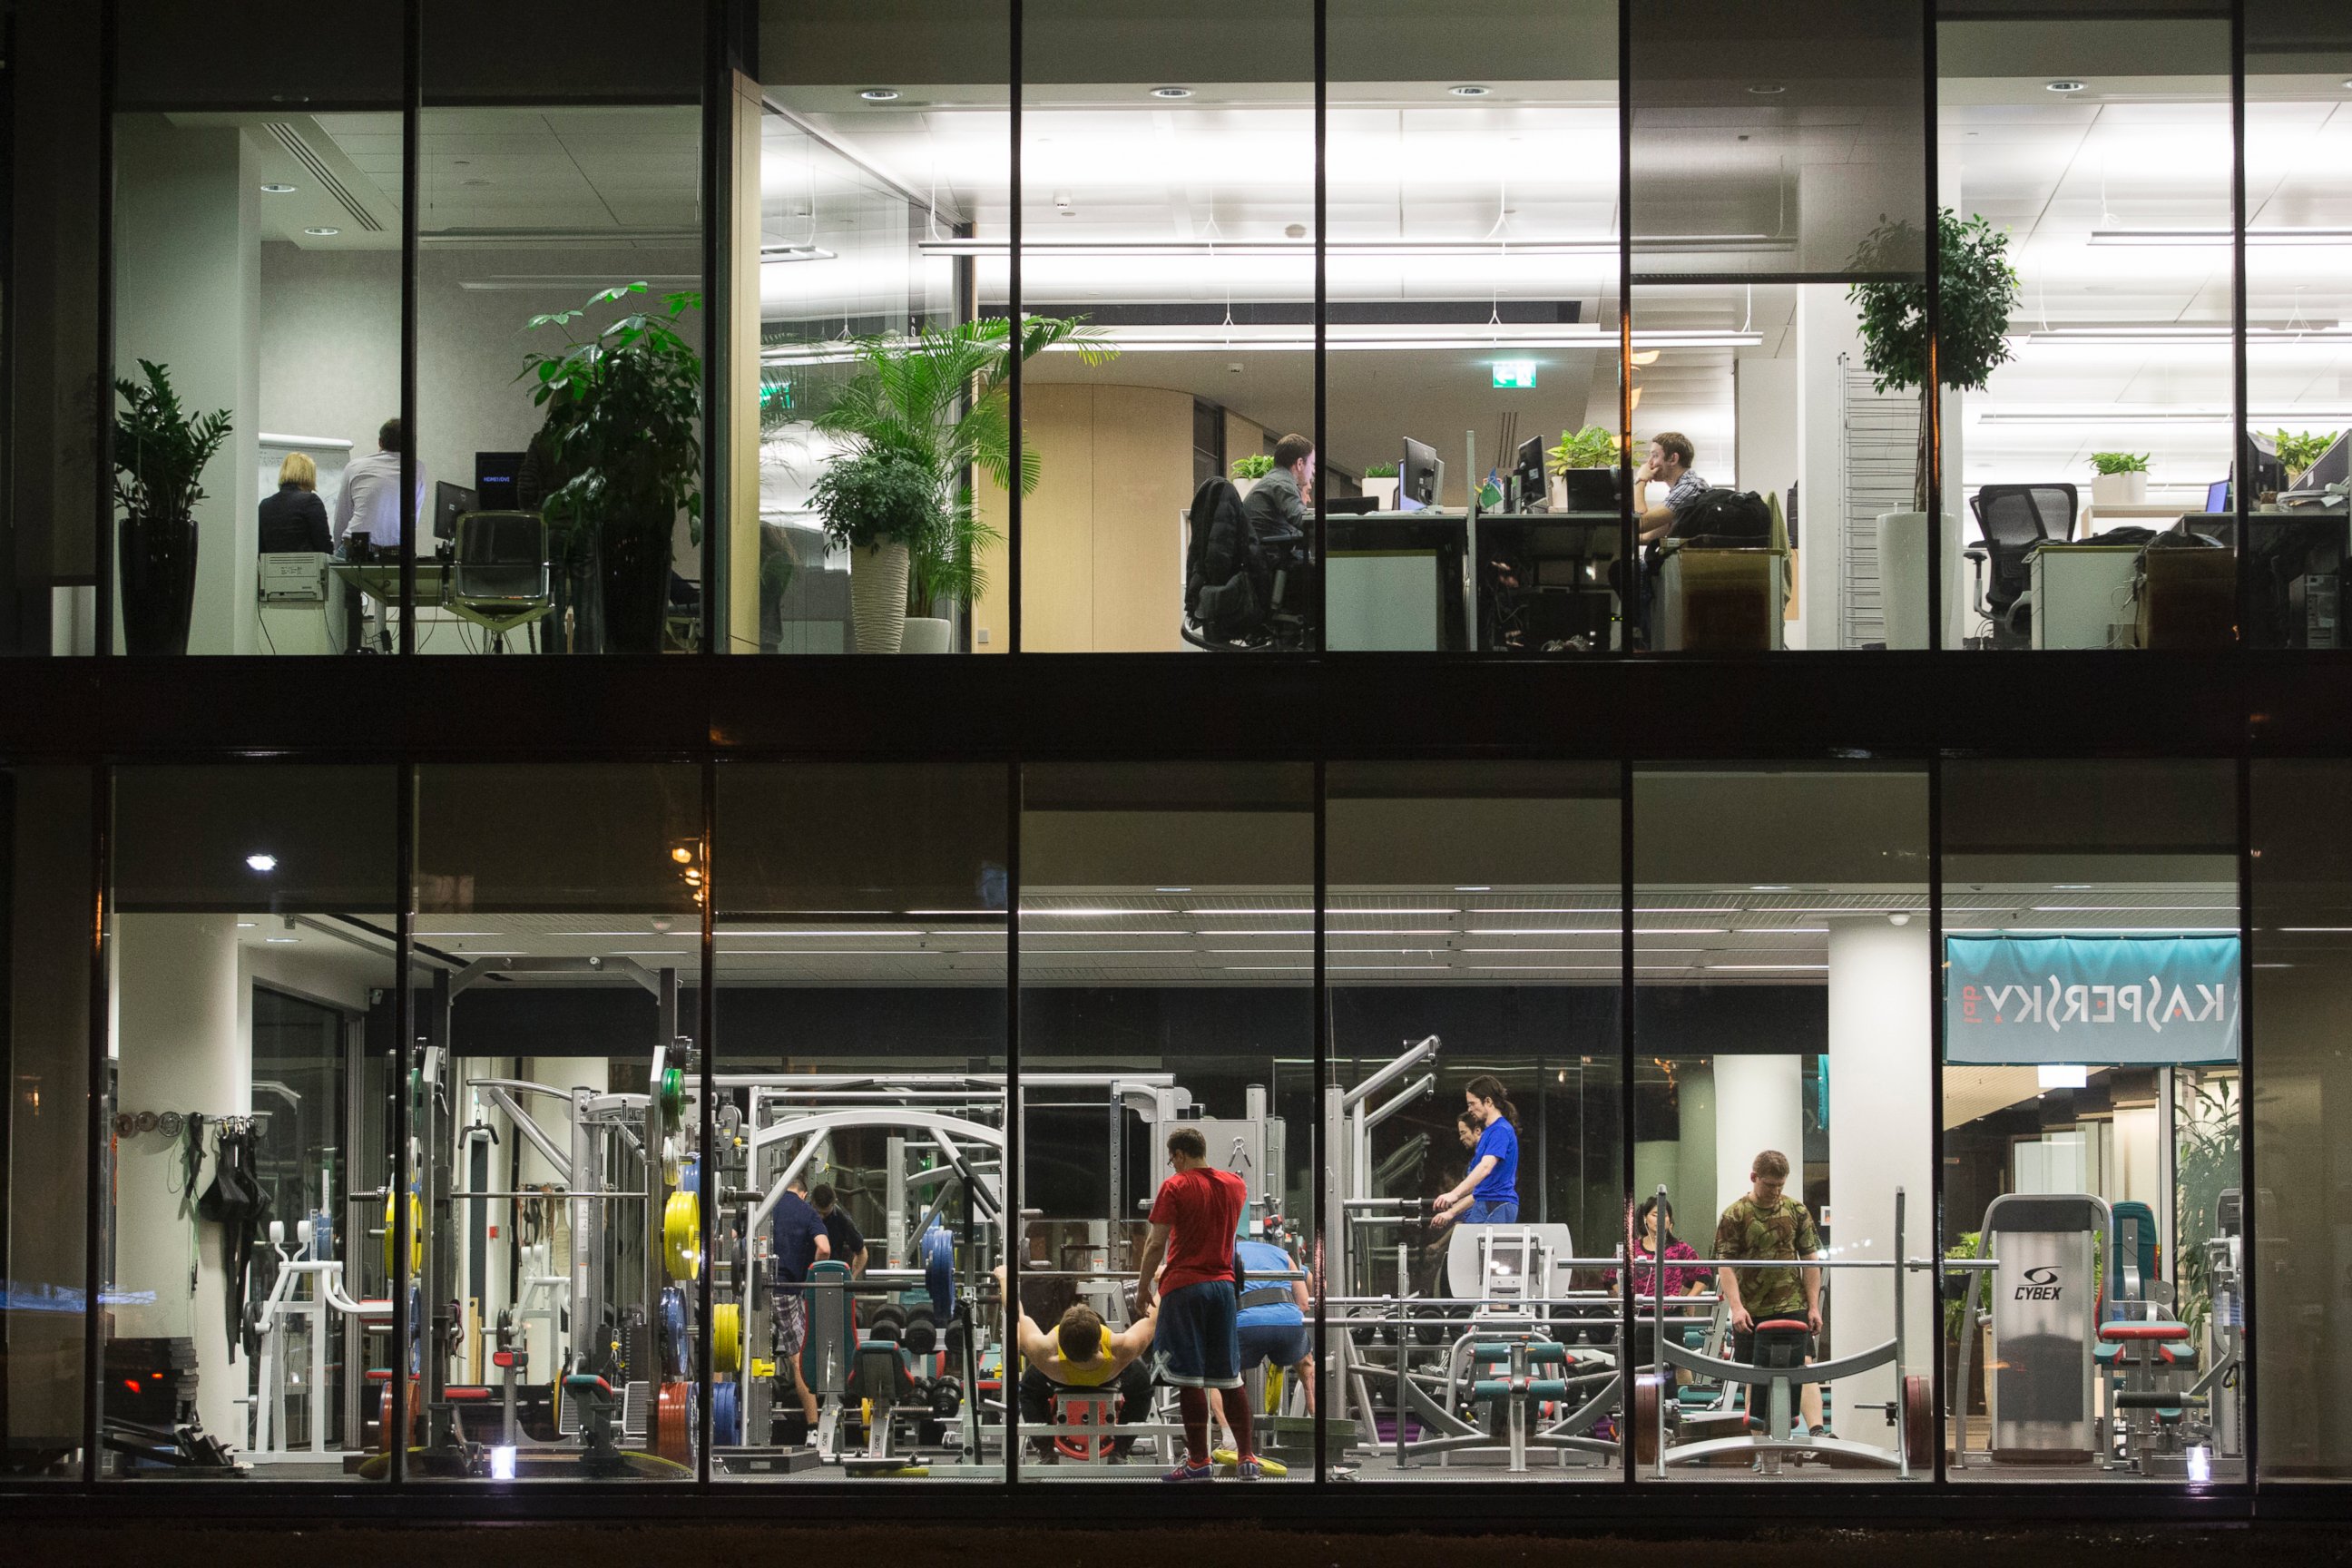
<point x="1781" y="1368"/>
<point x="2145" y="1364"/>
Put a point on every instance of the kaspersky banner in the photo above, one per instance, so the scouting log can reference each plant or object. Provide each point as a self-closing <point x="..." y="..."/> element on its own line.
<point x="2160" y="1000"/>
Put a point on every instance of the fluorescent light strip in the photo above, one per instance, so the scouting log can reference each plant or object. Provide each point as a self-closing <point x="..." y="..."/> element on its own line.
<point x="1301" y="250"/>
<point x="1131" y="951"/>
<point x="2120" y="909"/>
<point x="650" y="951"/>
<point x="1092" y="935"/>
<point x="1248" y="909"/>
<point x="1384" y="914"/>
<point x="1785" y="930"/>
<point x="832" y="953"/>
<point x="2148" y="416"/>
<point x="895" y="935"/>
<point x="448" y="933"/>
<point x="1766" y="967"/>
<point x="2220" y="235"/>
<point x="1541" y="931"/>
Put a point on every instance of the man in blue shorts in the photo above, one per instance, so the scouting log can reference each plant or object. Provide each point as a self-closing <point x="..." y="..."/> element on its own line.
<point x="1198" y="1345"/>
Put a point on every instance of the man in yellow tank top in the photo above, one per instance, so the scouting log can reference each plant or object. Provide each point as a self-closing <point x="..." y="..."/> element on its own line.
<point x="1083" y="1351"/>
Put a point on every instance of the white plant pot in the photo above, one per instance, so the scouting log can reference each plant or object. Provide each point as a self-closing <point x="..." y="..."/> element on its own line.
<point x="877" y="597"/>
<point x="924" y="634"/>
<point x="2119" y="489"/>
<point x="1903" y="574"/>
<point x="1244" y="487"/>
<point x="1383" y="491"/>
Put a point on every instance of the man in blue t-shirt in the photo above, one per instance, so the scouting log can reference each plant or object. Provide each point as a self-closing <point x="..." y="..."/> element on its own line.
<point x="847" y="1241"/>
<point x="1273" y="1322"/>
<point x="800" y="1242"/>
<point x="1489" y="1193"/>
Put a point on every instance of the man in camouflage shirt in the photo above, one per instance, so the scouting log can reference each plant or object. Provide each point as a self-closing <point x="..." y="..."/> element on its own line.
<point x="1768" y="1225"/>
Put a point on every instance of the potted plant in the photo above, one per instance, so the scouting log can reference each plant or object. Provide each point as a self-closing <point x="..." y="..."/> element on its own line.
<point x="160" y="453"/>
<point x="938" y="399"/>
<point x="1248" y="470"/>
<point x="1591" y="448"/>
<point x="2297" y="452"/>
<point x="1380" y="484"/>
<point x="624" y="419"/>
<point x="1978" y="290"/>
<point x="876" y="505"/>
<point x="2121" y="480"/>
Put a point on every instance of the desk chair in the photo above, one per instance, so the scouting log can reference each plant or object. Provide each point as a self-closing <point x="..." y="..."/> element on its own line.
<point x="2014" y="521"/>
<point x="497" y="571"/>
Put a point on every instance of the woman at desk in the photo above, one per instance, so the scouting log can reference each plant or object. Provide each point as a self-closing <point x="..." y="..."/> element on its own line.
<point x="295" y="519"/>
<point x="1489" y="1194"/>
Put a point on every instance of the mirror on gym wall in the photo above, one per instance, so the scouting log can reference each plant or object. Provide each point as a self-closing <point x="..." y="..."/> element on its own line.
<point x="1472" y="1122"/>
<point x="1781" y="1158"/>
<point x="860" y="1199"/>
<point x="554" y="1118"/>
<point x="1167" y="1087"/>
<point x="2094" y="1219"/>
<point x="248" y="1315"/>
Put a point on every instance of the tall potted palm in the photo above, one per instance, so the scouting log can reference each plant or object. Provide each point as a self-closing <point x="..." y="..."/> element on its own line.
<point x="938" y="398"/>
<point x="625" y="422"/>
<point x="160" y="453"/>
<point x="1978" y="290"/>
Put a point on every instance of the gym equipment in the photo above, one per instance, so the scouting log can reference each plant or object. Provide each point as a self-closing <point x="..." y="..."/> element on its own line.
<point x="306" y="1299"/>
<point x="415" y="1237"/>
<point x="2145" y="1355"/>
<point x="682" y="1236"/>
<point x="726" y="1338"/>
<point x="2044" y="1312"/>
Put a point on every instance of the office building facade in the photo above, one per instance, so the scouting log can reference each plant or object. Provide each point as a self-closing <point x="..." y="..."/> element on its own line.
<point x="1774" y="645"/>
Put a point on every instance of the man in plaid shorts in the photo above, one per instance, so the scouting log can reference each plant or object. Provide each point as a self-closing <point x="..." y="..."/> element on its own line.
<point x="800" y="1242"/>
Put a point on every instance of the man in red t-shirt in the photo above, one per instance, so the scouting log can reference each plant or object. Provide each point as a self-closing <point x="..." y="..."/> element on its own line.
<point x="1198" y="1345"/>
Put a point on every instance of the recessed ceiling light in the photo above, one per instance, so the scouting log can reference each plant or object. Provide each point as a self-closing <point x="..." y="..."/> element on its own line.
<point x="1172" y="93"/>
<point x="474" y="182"/>
<point x="2065" y="84"/>
<point x="276" y="188"/>
<point x="1765" y="89"/>
<point x="879" y="94"/>
<point x="322" y="233"/>
<point x="1470" y="89"/>
<point x="262" y="862"/>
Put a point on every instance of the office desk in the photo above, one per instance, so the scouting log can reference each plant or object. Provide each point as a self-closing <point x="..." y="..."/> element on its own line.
<point x="1402" y="580"/>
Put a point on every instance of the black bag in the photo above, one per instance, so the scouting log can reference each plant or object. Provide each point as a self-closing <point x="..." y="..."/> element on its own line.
<point x="1725" y="518"/>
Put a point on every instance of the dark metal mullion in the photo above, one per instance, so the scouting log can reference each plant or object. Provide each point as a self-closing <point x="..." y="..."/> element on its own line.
<point x="404" y="1026"/>
<point x="1012" y="382"/>
<point x="1938" y="1389"/>
<point x="1015" y="1239"/>
<point x="1322" y="360"/>
<point x="2249" y="1427"/>
<point x="1629" y="1406"/>
<point x="2242" y="438"/>
<point x="1629" y="591"/>
<point x="719" y="180"/>
<point x="411" y="118"/>
<point x="1934" y="411"/>
<point x="94" y="1186"/>
<point x="102" y="446"/>
<point x="1320" y="1156"/>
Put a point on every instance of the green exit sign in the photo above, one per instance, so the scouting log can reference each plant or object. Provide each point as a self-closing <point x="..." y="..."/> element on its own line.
<point x="1515" y="373"/>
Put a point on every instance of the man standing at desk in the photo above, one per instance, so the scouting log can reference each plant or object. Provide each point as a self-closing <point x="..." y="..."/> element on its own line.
<point x="370" y="504"/>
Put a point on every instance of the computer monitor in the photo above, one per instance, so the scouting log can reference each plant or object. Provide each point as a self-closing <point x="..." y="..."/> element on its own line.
<point x="2217" y="496"/>
<point x="2334" y="467"/>
<point x="451" y="502"/>
<point x="1528" y="471"/>
<point x="2270" y="474"/>
<point x="494" y="476"/>
<point x="1419" y="477"/>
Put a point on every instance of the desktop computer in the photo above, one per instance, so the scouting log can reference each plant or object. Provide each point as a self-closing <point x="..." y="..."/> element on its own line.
<point x="1420" y="477"/>
<point x="495" y="480"/>
<point x="1527" y="475"/>
<point x="451" y="502"/>
<point x="2334" y="467"/>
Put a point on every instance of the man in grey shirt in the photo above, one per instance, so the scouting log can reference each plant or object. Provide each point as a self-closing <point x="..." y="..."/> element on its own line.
<point x="1277" y="505"/>
<point x="1669" y="464"/>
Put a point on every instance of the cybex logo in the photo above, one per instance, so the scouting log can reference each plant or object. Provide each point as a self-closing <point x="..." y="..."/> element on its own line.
<point x="2041" y="1285"/>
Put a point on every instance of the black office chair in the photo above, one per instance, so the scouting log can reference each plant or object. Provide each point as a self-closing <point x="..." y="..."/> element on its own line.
<point x="499" y="573"/>
<point x="2015" y="520"/>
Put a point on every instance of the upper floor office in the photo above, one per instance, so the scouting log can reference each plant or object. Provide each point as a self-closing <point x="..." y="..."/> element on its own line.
<point x="1606" y="328"/>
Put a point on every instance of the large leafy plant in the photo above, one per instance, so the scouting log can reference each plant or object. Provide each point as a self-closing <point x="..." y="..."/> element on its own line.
<point x="872" y="498"/>
<point x="1591" y="448"/>
<point x="2205" y="1164"/>
<point x="624" y="415"/>
<point x="1978" y="290"/>
<point x="2299" y="451"/>
<point x="2120" y="462"/>
<point x="941" y="398"/>
<point x="159" y="449"/>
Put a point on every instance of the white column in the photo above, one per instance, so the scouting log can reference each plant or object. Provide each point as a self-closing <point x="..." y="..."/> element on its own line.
<point x="1760" y="1104"/>
<point x="180" y="1046"/>
<point x="1825" y="331"/>
<point x="188" y="294"/>
<point x="1881" y="1044"/>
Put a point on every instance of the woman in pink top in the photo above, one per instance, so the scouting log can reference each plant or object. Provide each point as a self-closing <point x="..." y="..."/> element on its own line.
<point x="1681" y="1281"/>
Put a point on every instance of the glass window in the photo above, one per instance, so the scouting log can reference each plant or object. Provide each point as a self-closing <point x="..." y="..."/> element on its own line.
<point x="2298" y="305"/>
<point x="2092" y="1120"/>
<point x="558" y="943"/>
<point x="1167" y="1023"/>
<point x="862" y="1010"/>
<point x="1778" y="165"/>
<point x="248" y="1300"/>
<point x="46" y="883"/>
<point x="1782" y="1090"/>
<point x="2094" y="146"/>
<point x="258" y="212"/>
<point x="1473" y="952"/>
<point x="1168" y="168"/>
<point x="556" y="167"/>
<point x="2302" y="923"/>
<point x="1472" y="305"/>
<point x="886" y="175"/>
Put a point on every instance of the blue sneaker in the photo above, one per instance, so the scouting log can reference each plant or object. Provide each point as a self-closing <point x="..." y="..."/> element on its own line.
<point x="1250" y="1470"/>
<point x="1192" y="1473"/>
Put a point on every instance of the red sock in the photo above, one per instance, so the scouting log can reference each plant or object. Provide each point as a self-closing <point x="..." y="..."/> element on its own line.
<point x="1194" y="1404"/>
<point x="1239" y="1417"/>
